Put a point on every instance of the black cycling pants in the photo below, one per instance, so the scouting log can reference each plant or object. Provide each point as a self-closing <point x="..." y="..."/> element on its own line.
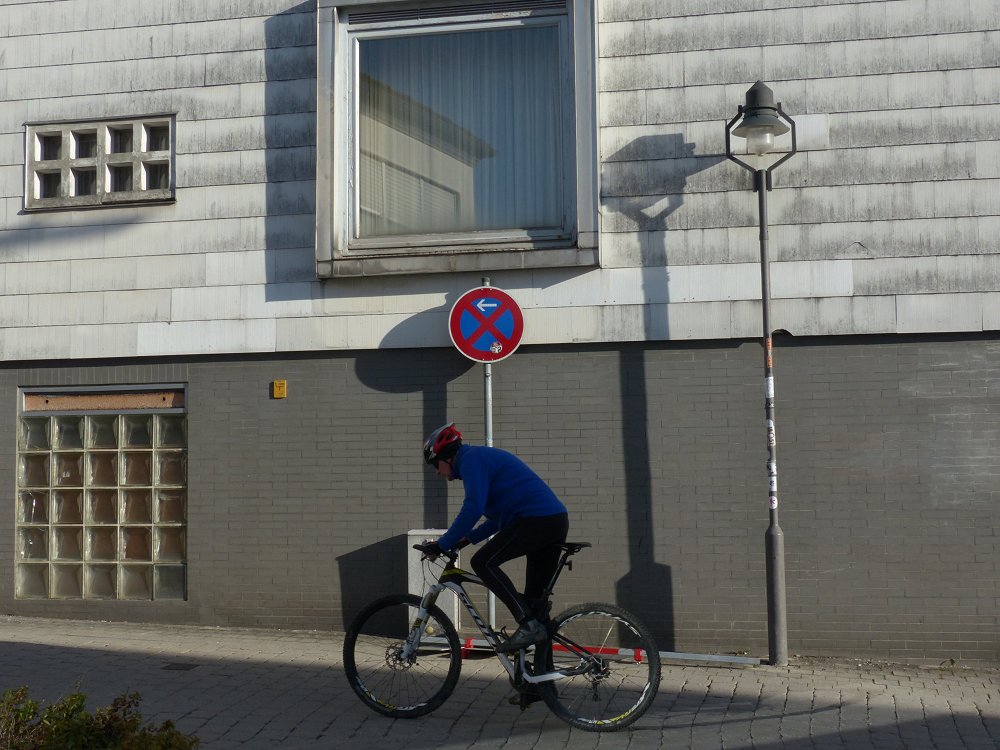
<point x="535" y="539"/>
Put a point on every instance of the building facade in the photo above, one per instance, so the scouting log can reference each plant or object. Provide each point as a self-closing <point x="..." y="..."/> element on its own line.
<point x="200" y="199"/>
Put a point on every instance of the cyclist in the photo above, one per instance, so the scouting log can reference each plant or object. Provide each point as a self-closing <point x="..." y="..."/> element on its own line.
<point x="523" y="515"/>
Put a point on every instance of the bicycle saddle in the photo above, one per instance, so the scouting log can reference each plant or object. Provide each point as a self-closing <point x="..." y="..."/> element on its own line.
<point x="574" y="547"/>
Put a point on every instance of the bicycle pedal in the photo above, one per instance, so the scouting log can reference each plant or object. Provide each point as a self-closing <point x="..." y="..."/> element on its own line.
<point x="525" y="699"/>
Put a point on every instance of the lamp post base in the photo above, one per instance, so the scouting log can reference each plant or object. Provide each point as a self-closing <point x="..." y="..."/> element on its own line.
<point x="777" y="627"/>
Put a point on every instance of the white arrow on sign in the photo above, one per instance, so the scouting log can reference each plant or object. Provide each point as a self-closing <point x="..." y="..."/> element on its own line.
<point x="482" y="304"/>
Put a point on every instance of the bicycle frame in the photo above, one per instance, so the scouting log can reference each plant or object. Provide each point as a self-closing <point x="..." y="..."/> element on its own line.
<point x="457" y="577"/>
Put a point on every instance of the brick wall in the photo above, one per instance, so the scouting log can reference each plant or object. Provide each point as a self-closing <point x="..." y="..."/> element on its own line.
<point x="888" y="457"/>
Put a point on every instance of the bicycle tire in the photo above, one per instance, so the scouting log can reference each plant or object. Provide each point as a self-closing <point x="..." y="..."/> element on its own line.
<point x="625" y="681"/>
<point x="377" y="674"/>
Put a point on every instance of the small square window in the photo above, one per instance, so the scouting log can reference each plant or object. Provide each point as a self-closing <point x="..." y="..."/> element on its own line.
<point x="120" y="178"/>
<point x="85" y="145"/>
<point x="121" y="140"/>
<point x="157" y="176"/>
<point x="157" y="138"/>
<point x="99" y="164"/>
<point x="84" y="181"/>
<point x="50" y="146"/>
<point x="48" y="184"/>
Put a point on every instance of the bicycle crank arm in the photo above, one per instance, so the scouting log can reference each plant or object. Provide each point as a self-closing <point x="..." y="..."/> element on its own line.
<point x="546" y="677"/>
<point x="535" y="679"/>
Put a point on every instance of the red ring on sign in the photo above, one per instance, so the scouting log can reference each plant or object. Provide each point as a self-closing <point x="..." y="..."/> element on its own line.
<point x="486" y="324"/>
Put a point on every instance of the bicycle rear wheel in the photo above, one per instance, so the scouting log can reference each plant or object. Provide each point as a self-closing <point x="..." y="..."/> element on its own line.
<point x="612" y="666"/>
<point x="382" y="677"/>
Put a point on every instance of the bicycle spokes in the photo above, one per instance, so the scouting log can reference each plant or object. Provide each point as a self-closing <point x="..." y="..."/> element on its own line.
<point x="609" y="665"/>
<point x="397" y="666"/>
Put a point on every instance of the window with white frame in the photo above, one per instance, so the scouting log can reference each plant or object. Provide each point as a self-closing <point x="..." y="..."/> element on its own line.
<point x="99" y="163"/>
<point x="101" y="496"/>
<point x="456" y="137"/>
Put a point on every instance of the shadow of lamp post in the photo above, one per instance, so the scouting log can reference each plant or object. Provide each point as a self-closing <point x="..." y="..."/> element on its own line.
<point x="760" y="120"/>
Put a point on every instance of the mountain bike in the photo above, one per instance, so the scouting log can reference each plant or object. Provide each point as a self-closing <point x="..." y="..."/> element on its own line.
<point x="598" y="670"/>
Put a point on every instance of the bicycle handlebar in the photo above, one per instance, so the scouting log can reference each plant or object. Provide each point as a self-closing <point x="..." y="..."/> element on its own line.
<point x="426" y="553"/>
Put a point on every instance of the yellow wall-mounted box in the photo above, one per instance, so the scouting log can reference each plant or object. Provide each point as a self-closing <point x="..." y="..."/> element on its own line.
<point x="279" y="388"/>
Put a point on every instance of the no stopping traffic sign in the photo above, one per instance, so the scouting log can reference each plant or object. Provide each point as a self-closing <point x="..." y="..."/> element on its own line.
<point x="486" y="324"/>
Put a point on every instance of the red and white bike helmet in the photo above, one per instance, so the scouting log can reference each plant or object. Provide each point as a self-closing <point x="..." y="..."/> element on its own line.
<point x="439" y="440"/>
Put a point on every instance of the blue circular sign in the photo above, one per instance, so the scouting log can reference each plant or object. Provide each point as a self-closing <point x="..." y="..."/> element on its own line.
<point x="486" y="324"/>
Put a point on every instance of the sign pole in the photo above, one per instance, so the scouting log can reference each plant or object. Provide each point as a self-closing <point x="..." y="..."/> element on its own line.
<point x="486" y="324"/>
<point x="491" y="599"/>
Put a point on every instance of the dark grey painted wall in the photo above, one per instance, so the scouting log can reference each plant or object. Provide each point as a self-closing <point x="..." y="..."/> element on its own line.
<point x="888" y="458"/>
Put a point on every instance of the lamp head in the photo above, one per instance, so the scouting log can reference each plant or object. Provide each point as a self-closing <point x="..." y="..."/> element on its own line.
<point x="760" y="123"/>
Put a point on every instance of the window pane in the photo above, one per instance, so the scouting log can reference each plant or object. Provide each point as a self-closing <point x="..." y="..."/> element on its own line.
<point x="34" y="507"/>
<point x="68" y="543"/>
<point x="137" y="431"/>
<point x="84" y="181"/>
<point x="32" y="544"/>
<point x="137" y="582"/>
<point x="69" y="433"/>
<point x="171" y="432"/>
<point x="121" y="179"/>
<point x="157" y="137"/>
<point x="137" y="506"/>
<point x="69" y="469"/>
<point x="170" y="468"/>
<point x="103" y="506"/>
<point x="50" y="146"/>
<point x="86" y="144"/>
<point x="34" y="471"/>
<point x="102" y="543"/>
<point x="138" y="468"/>
<point x="102" y="432"/>
<point x="170" y="506"/>
<point x="102" y="581"/>
<point x="103" y="469"/>
<point x="157" y="177"/>
<point x="68" y="506"/>
<point x="136" y="543"/>
<point x="48" y="184"/>
<point x="460" y="131"/>
<point x="34" y="433"/>
<point x="121" y="139"/>
<point x="32" y="581"/>
<point x="170" y="544"/>
<point x="67" y="581"/>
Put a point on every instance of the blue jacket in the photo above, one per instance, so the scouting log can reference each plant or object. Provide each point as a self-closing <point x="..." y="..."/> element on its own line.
<point x="499" y="486"/>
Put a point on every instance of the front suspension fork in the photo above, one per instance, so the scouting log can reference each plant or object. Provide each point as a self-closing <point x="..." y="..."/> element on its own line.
<point x="412" y="643"/>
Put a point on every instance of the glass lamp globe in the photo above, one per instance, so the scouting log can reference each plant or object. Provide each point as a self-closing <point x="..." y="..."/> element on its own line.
<point x="760" y="141"/>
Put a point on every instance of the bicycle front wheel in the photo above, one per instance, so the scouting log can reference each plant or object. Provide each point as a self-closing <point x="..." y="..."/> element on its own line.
<point x="611" y="667"/>
<point x="378" y="668"/>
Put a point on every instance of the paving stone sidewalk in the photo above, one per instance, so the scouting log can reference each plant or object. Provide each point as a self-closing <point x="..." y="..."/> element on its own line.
<point x="264" y="689"/>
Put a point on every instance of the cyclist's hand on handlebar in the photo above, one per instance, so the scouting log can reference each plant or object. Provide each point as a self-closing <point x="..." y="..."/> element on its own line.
<point x="429" y="550"/>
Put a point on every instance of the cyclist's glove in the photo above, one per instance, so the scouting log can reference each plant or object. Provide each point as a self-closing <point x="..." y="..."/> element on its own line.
<point x="431" y="549"/>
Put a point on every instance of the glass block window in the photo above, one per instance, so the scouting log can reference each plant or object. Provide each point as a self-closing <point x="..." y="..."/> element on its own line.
<point x="99" y="163"/>
<point x="101" y="506"/>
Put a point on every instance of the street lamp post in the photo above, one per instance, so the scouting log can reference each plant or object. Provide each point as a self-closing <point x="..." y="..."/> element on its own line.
<point x="760" y="120"/>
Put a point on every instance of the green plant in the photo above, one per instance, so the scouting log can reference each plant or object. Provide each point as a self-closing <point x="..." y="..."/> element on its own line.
<point x="66" y="725"/>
